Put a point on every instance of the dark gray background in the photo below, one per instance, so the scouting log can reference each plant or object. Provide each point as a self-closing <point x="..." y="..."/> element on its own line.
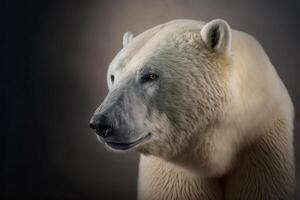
<point x="55" y="59"/>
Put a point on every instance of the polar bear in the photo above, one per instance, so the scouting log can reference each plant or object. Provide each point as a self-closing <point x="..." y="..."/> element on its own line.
<point x="206" y="109"/>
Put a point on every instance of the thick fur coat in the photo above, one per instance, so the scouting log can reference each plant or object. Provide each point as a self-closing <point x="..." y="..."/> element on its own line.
<point x="220" y="118"/>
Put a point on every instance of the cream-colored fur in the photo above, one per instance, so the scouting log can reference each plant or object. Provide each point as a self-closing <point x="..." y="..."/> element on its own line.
<point x="162" y="180"/>
<point x="233" y="139"/>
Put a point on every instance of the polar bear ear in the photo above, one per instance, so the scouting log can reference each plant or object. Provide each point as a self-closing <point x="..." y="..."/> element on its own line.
<point x="127" y="37"/>
<point x="217" y="35"/>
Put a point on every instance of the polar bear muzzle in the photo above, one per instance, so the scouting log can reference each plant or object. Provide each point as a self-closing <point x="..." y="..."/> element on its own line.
<point x="119" y="120"/>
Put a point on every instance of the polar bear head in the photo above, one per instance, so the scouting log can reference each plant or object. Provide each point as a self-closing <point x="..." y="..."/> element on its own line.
<point x="167" y="88"/>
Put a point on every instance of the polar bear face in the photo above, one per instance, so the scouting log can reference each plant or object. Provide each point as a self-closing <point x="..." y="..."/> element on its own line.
<point x="167" y="86"/>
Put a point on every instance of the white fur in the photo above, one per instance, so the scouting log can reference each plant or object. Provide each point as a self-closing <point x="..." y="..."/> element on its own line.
<point x="127" y="38"/>
<point x="249" y="146"/>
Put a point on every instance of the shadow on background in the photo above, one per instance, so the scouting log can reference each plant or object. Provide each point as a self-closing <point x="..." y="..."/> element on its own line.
<point x="55" y="58"/>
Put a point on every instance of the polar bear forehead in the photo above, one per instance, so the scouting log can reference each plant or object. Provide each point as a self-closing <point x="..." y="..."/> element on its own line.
<point x="145" y="45"/>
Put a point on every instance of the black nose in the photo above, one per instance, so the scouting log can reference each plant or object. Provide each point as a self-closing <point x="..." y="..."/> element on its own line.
<point x="102" y="125"/>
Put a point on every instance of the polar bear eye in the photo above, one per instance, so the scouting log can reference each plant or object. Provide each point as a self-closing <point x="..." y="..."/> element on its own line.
<point x="149" y="77"/>
<point x="112" y="78"/>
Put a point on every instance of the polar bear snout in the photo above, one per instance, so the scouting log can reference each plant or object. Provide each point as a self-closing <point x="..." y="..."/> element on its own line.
<point x="116" y="138"/>
<point x="102" y="125"/>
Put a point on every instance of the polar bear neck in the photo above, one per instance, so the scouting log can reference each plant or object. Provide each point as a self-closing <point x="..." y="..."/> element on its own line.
<point x="159" y="179"/>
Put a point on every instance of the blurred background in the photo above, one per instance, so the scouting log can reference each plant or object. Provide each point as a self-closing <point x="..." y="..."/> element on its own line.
<point x="55" y="56"/>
